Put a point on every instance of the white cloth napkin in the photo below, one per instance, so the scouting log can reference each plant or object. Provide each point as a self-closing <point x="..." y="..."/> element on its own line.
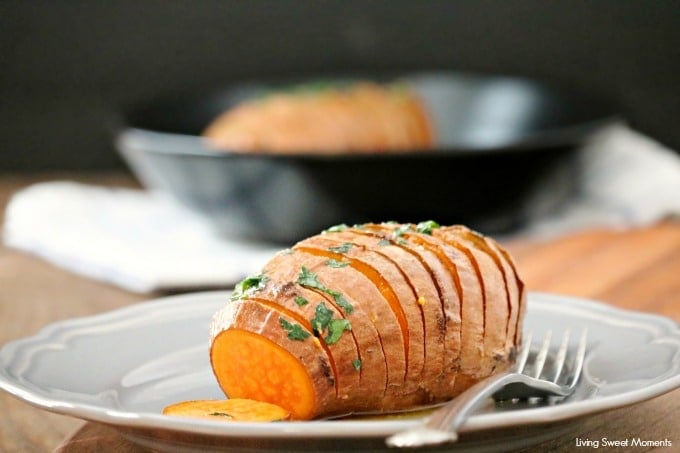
<point x="139" y="240"/>
<point x="628" y="180"/>
<point x="143" y="241"/>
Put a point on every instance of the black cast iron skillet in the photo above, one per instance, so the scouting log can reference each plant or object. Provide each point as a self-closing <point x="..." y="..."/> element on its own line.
<point x="500" y="142"/>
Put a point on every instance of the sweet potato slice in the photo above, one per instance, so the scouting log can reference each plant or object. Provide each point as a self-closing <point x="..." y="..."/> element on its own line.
<point x="362" y="282"/>
<point x="256" y="353"/>
<point x="231" y="410"/>
<point x="521" y="302"/>
<point x="367" y="363"/>
<point x="401" y="290"/>
<point x="417" y="269"/>
<point x="468" y="287"/>
<point x="446" y="275"/>
<point x="512" y="291"/>
<point x="494" y="296"/>
<point x="304" y="305"/>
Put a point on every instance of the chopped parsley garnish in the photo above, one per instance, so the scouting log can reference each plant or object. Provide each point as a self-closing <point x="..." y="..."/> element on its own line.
<point x="427" y="226"/>
<point x="322" y="317"/>
<point x="249" y="285"/>
<point x="401" y="230"/>
<point x="323" y="321"/>
<point x="295" y="331"/>
<point x="336" y="228"/>
<point x="341" y="301"/>
<point x="356" y="363"/>
<point x="335" y="329"/>
<point x="221" y="414"/>
<point x="344" y="248"/>
<point x="337" y="264"/>
<point x="301" y="301"/>
<point x="383" y="242"/>
<point x="309" y="279"/>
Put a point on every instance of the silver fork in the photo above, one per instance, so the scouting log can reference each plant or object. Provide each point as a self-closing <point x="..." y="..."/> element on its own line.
<point x="526" y="380"/>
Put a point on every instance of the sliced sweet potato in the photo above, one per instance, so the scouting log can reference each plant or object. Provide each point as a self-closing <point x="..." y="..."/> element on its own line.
<point x="256" y="353"/>
<point x="363" y="117"/>
<point x="362" y="282"/>
<point x="421" y="269"/>
<point x="521" y="303"/>
<point x="446" y="277"/>
<point x="297" y="301"/>
<point x="468" y="285"/>
<point x="494" y="301"/>
<point x="398" y="285"/>
<point x="231" y="410"/>
<point x="512" y="291"/>
<point x="420" y="313"/>
<point x="367" y="364"/>
<point x="498" y="303"/>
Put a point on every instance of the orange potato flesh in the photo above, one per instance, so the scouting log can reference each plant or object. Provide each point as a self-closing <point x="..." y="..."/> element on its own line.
<point x="238" y="409"/>
<point x="250" y="366"/>
<point x="303" y="322"/>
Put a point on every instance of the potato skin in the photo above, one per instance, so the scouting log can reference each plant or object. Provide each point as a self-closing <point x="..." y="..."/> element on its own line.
<point x="460" y="309"/>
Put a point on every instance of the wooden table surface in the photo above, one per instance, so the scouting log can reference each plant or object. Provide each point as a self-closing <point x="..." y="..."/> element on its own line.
<point x="635" y="269"/>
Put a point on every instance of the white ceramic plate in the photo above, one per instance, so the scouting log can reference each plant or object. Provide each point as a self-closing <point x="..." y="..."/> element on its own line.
<point x="121" y="368"/>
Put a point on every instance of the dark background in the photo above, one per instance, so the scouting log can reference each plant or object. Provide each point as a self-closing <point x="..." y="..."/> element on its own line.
<point x="68" y="67"/>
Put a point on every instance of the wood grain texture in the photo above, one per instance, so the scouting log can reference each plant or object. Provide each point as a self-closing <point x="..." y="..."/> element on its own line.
<point x="636" y="269"/>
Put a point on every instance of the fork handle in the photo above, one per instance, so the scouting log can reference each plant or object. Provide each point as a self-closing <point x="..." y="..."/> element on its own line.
<point x="453" y="414"/>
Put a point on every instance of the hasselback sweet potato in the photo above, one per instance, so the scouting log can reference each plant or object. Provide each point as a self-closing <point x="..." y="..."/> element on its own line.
<point x="361" y="117"/>
<point x="370" y="318"/>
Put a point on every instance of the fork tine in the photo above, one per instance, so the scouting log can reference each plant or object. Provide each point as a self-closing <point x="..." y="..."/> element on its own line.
<point x="580" y="357"/>
<point x="561" y="356"/>
<point x="524" y="352"/>
<point x="542" y="355"/>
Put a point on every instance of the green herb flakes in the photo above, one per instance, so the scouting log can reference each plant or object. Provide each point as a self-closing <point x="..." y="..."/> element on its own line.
<point x="336" y="228"/>
<point x="337" y="264"/>
<point x="248" y="286"/>
<point x="341" y="301"/>
<point x="322" y="317"/>
<point x="309" y="279"/>
<point x="295" y="331"/>
<point x="221" y="414"/>
<point x="384" y="242"/>
<point x="398" y="232"/>
<point x="301" y="301"/>
<point x="356" y="363"/>
<point x="323" y="321"/>
<point x="427" y="226"/>
<point x="344" y="248"/>
<point x="335" y="329"/>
